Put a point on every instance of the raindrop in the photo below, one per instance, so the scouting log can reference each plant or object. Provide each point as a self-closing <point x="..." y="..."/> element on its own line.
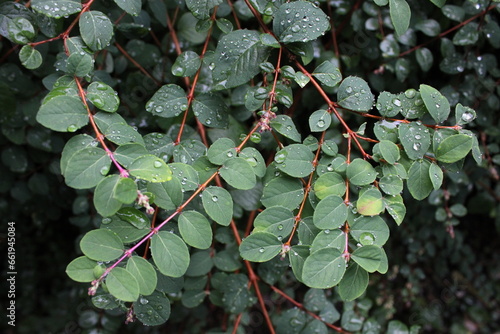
<point x="229" y="154"/>
<point x="159" y="109"/>
<point x="157" y="164"/>
<point x="215" y="198"/>
<point x="280" y="227"/>
<point x="349" y="90"/>
<point x="397" y="102"/>
<point x="143" y="301"/>
<point x="72" y="128"/>
<point x="321" y="123"/>
<point x="418" y="137"/>
<point x="416" y="146"/>
<point x="467" y="117"/>
<point x="104" y="170"/>
<point x="261" y="250"/>
<point x="280" y="157"/>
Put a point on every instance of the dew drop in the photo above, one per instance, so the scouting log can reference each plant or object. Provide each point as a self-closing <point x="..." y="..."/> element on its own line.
<point x="261" y="250"/>
<point x="215" y="198"/>
<point x="104" y="170"/>
<point x="72" y="128"/>
<point x="143" y="301"/>
<point x="157" y="164"/>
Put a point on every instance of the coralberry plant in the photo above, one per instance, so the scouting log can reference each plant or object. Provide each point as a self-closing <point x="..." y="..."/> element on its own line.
<point x="233" y="150"/>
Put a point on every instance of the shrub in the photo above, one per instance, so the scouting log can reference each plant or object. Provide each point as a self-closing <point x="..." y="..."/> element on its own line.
<point x="232" y="162"/>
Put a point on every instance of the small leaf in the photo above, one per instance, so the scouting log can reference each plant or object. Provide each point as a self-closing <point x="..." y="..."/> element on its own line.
<point x="144" y="273"/>
<point x="391" y="184"/>
<point x="195" y="229"/>
<point x="104" y="201"/>
<point x="330" y="213"/>
<point x="400" y="15"/>
<point x="87" y="168"/>
<point x="211" y="110"/>
<point x="419" y="182"/>
<point x="396" y="208"/>
<point x="424" y="58"/>
<point x="30" y="57"/>
<point x="354" y="282"/>
<point x="134" y="217"/>
<point x="132" y="7"/>
<point x="260" y="247"/>
<point x="436" y="176"/>
<point x="153" y="310"/>
<point x="238" y="173"/>
<point x="415" y="138"/>
<point x="81" y="269"/>
<point x="370" y="202"/>
<point x="169" y="101"/>
<point x="79" y="64"/>
<point x="283" y="191"/>
<point x="368" y="257"/>
<point x="56" y="8"/>
<point x="454" y="148"/>
<point x="96" y="29"/>
<point x="276" y="220"/>
<point x="284" y="125"/>
<point x="354" y="94"/>
<point x="360" y="172"/>
<point x="389" y="151"/>
<point x="329" y="184"/>
<point x="295" y="160"/>
<point x="324" y="269"/>
<point x="101" y="245"/>
<point x="170" y="254"/>
<point x="201" y="8"/>
<point x="320" y="120"/>
<point x="122" y="285"/>
<point x="103" y="96"/>
<point x="328" y="74"/>
<point x="63" y="113"/>
<point x="370" y="230"/>
<point x="437" y="105"/>
<point x="218" y="204"/>
<point x="168" y="195"/>
<point x="186" y="64"/>
<point x="150" y="168"/>
<point x="299" y="21"/>
<point x="221" y="150"/>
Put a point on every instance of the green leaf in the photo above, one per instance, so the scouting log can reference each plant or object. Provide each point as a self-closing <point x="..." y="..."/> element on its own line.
<point x="136" y="218"/>
<point x="195" y="229"/>
<point x="400" y="15"/>
<point x="329" y="238"/>
<point x="283" y="191"/>
<point x="169" y="101"/>
<point x="255" y="159"/>
<point x="396" y="327"/>
<point x="464" y="115"/>
<point x="153" y="310"/>
<point x="436" y="176"/>
<point x="57" y="8"/>
<point x="103" y="96"/>
<point x="370" y="202"/>
<point x="186" y="64"/>
<point x="330" y="213"/>
<point x="188" y="151"/>
<point x="389" y="151"/>
<point x="87" y="168"/>
<point x="201" y="263"/>
<point x="237" y="58"/>
<point x="438" y="3"/>
<point x="360" y="172"/>
<point x="96" y="29"/>
<point x="81" y="269"/>
<point x="63" y="113"/>
<point x="320" y="120"/>
<point x="101" y="245"/>
<point x="467" y="35"/>
<point x="328" y="74"/>
<point x="260" y="247"/>
<point x="73" y="146"/>
<point x="238" y="173"/>
<point x="415" y="138"/>
<point x="30" y="57"/>
<point x="354" y="94"/>
<point x="132" y="7"/>
<point x="299" y="21"/>
<point x="437" y="104"/>
<point x="391" y="184"/>
<point x="276" y="220"/>
<point x="324" y="269"/>
<point x="122" y="285"/>
<point x="454" y="148"/>
<point x="419" y="182"/>
<point x="170" y="254"/>
<point x="284" y="125"/>
<point x="104" y="201"/>
<point x="295" y="160"/>
<point x="218" y="204"/>
<point x="211" y="110"/>
<point x="221" y="150"/>
<point x="354" y="283"/>
<point x="301" y="79"/>
<point x="201" y="8"/>
<point x="79" y="64"/>
<point x="424" y="58"/>
<point x="298" y="255"/>
<point x="150" y="168"/>
<point x="329" y="184"/>
<point x="127" y="232"/>
<point x="396" y="208"/>
<point x="370" y="230"/>
<point x="123" y="134"/>
<point x="168" y="195"/>
<point x="368" y="257"/>
<point x="144" y="274"/>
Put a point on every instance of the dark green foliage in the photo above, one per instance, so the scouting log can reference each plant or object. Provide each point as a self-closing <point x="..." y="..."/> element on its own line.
<point x="252" y="165"/>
